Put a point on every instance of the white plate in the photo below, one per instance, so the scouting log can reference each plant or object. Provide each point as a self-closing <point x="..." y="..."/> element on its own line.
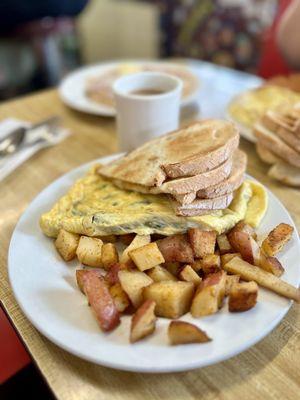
<point x="45" y="289"/>
<point x="72" y="88"/>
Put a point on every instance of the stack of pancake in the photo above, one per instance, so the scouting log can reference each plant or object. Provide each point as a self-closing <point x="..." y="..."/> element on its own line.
<point x="278" y="144"/>
<point x="199" y="167"/>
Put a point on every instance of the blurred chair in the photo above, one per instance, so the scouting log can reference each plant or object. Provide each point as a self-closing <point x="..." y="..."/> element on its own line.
<point x="111" y="29"/>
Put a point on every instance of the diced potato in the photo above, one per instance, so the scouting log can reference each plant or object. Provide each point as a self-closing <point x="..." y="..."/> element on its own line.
<point x="147" y="256"/>
<point x="203" y="242"/>
<point x="138" y="241"/>
<point x="189" y="275"/>
<point x="172" y="299"/>
<point x="271" y="264"/>
<point x="109" y="255"/>
<point x="276" y="239"/>
<point x="120" y="297"/>
<point x="101" y="301"/>
<point x="66" y="244"/>
<point x="159" y="273"/>
<point x="133" y="283"/>
<point x="143" y="321"/>
<point x="176" y="248"/>
<point x="225" y="258"/>
<point x="181" y="332"/>
<point x="80" y="274"/>
<point x="242" y="296"/>
<point x="230" y="281"/>
<point x="89" y="251"/>
<point x="173" y="267"/>
<point x="211" y="263"/>
<point x="197" y="265"/>
<point x="209" y="295"/>
<point x="224" y="244"/>
<point x="250" y="272"/>
<point x="108" y="238"/>
<point x="244" y="244"/>
<point x="112" y="275"/>
<point x="243" y="227"/>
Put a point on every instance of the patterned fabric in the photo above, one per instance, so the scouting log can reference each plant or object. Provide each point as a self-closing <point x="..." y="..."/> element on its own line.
<point x="226" y="32"/>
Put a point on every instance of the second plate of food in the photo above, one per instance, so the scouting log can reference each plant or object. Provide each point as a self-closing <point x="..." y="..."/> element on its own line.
<point x="89" y="89"/>
<point x="46" y="290"/>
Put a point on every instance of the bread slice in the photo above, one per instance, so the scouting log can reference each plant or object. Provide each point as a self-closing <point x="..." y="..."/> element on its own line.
<point x="266" y="155"/>
<point x="285" y="173"/>
<point x="201" y="206"/>
<point x="193" y="150"/>
<point x="230" y="184"/>
<point x="182" y="185"/>
<point x="276" y="145"/>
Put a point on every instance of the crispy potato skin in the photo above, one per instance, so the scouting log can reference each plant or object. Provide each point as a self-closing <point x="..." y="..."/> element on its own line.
<point x="109" y="255"/>
<point x="101" y="301"/>
<point x="112" y="275"/>
<point x="276" y="239"/>
<point x="244" y="244"/>
<point x="176" y="248"/>
<point x="243" y="227"/>
<point x="120" y="298"/>
<point x="159" y="273"/>
<point x="242" y="296"/>
<point x="147" y="256"/>
<point x="80" y="274"/>
<point x="172" y="299"/>
<point x="143" y="321"/>
<point x="66" y="244"/>
<point x="181" y="332"/>
<point x="203" y="242"/>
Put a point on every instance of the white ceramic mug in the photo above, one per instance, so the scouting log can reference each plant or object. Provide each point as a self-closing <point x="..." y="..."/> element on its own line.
<point x="141" y="117"/>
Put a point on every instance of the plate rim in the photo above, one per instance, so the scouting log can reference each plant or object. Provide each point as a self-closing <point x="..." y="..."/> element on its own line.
<point x="190" y="365"/>
<point x="107" y="111"/>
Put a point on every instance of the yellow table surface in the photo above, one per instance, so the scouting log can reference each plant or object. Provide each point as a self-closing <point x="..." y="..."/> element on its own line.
<point x="269" y="370"/>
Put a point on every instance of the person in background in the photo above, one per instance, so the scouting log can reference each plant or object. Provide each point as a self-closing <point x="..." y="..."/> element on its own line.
<point x="288" y="34"/>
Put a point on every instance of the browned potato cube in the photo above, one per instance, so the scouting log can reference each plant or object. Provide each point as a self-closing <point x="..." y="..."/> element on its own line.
<point x="242" y="296"/>
<point x="147" y="256"/>
<point x="176" y="248"/>
<point x="89" y="251"/>
<point x="138" y="241"/>
<point x="159" y="273"/>
<point x="224" y="244"/>
<point x="181" y="332"/>
<point x="276" y="239"/>
<point x="243" y="227"/>
<point x="230" y="281"/>
<point x="211" y="263"/>
<point x="203" y="242"/>
<point x="271" y="264"/>
<point x="143" y="321"/>
<point x="109" y="255"/>
<point x="244" y="244"/>
<point x="120" y="297"/>
<point x="66" y="244"/>
<point x="133" y="283"/>
<point x="209" y="295"/>
<point x="173" y="267"/>
<point x="172" y="299"/>
<point x="225" y="258"/>
<point x="189" y="275"/>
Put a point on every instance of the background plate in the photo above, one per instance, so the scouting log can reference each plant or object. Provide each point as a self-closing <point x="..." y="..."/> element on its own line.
<point x="46" y="291"/>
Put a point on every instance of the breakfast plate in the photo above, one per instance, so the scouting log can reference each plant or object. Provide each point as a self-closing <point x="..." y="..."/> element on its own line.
<point x="73" y="89"/>
<point x="45" y="288"/>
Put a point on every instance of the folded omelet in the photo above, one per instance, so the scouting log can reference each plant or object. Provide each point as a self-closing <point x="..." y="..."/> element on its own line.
<point x="94" y="206"/>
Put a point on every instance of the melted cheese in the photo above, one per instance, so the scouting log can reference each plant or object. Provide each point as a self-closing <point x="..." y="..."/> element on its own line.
<point x="94" y="206"/>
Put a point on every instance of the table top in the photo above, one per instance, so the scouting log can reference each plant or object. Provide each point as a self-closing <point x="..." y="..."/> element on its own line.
<point x="269" y="370"/>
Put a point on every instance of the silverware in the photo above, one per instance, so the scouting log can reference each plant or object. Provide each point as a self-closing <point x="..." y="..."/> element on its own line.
<point x="15" y="139"/>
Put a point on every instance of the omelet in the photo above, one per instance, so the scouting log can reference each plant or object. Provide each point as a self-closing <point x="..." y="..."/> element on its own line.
<point x="249" y="107"/>
<point x="94" y="207"/>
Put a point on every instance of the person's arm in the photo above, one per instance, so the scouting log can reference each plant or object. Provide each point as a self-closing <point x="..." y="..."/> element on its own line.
<point x="288" y="34"/>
